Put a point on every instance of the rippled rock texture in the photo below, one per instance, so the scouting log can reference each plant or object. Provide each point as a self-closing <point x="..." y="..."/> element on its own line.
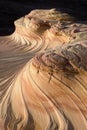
<point x="43" y="73"/>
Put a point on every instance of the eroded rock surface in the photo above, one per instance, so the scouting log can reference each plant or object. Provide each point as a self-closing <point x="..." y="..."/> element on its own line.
<point x="43" y="73"/>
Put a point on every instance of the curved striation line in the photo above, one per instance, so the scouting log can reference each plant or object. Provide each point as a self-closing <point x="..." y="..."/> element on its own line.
<point x="43" y="70"/>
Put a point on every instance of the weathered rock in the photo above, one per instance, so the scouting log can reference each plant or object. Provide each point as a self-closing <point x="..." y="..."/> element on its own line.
<point x="43" y="73"/>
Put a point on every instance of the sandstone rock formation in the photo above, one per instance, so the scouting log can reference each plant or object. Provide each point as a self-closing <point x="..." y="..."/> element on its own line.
<point x="43" y="73"/>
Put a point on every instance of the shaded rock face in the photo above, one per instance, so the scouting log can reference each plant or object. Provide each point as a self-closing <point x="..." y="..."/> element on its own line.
<point x="10" y="10"/>
<point x="43" y="73"/>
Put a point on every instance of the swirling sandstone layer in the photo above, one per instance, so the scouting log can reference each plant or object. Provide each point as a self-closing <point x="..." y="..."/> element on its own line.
<point x="43" y="73"/>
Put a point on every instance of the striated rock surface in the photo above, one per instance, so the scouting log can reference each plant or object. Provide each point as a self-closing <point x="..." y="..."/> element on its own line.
<point x="43" y="73"/>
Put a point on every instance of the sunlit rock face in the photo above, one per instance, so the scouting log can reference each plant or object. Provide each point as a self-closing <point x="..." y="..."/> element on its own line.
<point x="43" y="73"/>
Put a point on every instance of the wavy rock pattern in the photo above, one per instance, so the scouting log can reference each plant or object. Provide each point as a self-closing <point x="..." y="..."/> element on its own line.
<point x="43" y="70"/>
